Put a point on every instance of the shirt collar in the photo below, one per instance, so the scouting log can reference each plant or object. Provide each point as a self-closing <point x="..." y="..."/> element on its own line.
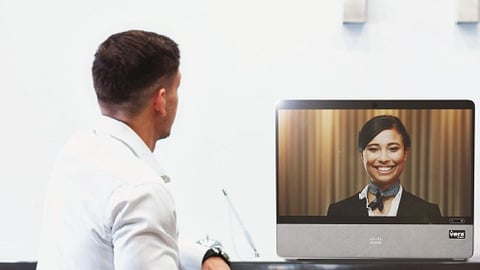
<point x="363" y="194"/>
<point x="123" y="133"/>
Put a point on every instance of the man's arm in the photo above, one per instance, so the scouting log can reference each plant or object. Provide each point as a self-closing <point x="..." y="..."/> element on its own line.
<point x="143" y="228"/>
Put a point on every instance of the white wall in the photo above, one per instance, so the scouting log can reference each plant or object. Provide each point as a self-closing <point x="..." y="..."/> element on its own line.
<point x="238" y="59"/>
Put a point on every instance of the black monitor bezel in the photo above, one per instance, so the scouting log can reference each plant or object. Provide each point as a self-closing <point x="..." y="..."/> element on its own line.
<point x="310" y="104"/>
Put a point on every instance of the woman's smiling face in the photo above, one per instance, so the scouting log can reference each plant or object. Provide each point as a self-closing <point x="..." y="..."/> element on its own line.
<point x="384" y="158"/>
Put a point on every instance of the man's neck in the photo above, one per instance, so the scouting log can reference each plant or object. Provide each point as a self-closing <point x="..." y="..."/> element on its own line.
<point x="139" y="124"/>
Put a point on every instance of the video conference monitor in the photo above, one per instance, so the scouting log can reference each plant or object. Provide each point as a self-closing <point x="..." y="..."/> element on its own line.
<point x="380" y="179"/>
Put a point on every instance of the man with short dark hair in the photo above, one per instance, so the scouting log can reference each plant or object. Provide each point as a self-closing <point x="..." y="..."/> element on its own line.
<point x="108" y="205"/>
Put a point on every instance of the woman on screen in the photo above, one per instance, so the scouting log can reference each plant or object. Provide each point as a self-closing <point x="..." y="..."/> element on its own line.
<point x="384" y="143"/>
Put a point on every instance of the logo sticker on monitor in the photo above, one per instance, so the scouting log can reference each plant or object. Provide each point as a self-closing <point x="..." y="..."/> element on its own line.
<point x="456" y="234"/>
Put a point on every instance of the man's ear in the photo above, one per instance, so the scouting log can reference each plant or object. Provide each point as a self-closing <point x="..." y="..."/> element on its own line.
<point x="160" y="101"/>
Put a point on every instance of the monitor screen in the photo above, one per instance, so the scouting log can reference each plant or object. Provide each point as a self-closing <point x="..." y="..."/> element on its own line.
<point x="375" y="162"/>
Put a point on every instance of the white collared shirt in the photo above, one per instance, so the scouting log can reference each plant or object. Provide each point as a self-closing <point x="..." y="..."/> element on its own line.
<point x="393" y="208"/>
<point x="108" y="206"/>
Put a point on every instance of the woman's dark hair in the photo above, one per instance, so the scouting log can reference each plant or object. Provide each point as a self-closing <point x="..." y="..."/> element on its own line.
<point x="128" y="63"/>
<point x="378" y="124"/>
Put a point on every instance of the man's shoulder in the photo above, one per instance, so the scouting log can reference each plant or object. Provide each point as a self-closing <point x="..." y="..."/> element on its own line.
<point x="105" y="158"/>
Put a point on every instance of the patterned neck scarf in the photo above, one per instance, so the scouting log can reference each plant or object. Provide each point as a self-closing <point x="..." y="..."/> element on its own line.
<point x="379" y="195"/>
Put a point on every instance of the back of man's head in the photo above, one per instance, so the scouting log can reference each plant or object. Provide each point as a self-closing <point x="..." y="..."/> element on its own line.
<point x="127" y="64"/>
